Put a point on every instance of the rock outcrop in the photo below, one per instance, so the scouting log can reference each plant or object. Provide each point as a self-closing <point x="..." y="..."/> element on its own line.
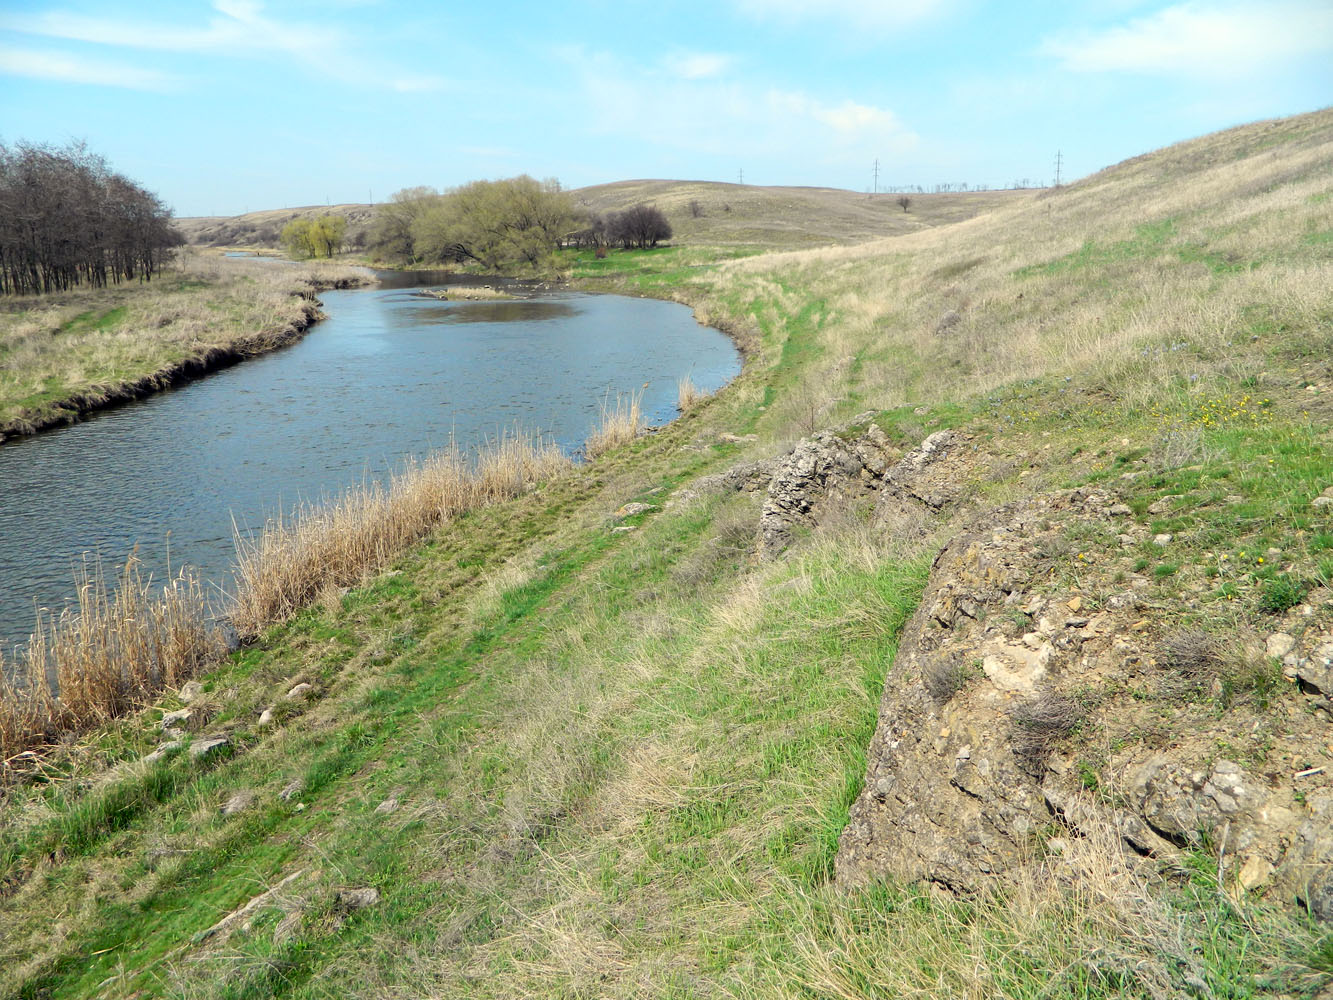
<point x="1035" y="697"/>
<point x="820" y="470"/>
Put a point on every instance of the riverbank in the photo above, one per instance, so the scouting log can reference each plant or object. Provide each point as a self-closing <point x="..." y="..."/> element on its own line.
<point x="604" y="738"/>
<point x="67" y="355"/>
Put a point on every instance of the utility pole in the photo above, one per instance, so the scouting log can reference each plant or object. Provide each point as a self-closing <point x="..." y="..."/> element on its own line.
<point x="1059" y="158"/>
<point x="740" y="176"/>
<point x="876" y="191"/>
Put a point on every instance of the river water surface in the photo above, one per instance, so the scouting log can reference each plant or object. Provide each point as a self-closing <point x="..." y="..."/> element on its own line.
<point x="390" y="373"/>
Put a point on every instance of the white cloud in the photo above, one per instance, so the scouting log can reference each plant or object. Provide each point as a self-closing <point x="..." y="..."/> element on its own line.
<point x="731" y="118"/>
<point x="697" y="65"/>
<point x="848" y="118"/>
<point x="241" y="28"/>
<point x="66" y="68"/>
<point x="851" y="14"/>
<point x="1202" y="39"/>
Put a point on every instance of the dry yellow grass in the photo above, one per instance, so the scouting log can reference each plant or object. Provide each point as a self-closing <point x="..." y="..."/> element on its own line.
<point x="66" y="353"/>
<point x="687" y="393"/>
<point x="108" y="655"/>
<point x="1187" y="274"/>
<point x="620" y="423"/>
<point x="324" y="547"/>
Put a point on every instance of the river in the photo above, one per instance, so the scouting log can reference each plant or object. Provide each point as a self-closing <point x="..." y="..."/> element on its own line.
<point x="390" y="373"/>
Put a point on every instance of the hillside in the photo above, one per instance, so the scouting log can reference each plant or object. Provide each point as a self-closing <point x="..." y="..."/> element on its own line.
<point x="976" y="642"/>
<point x="785" y="217"/>
<point x="730" y="215"/>
<point x="264" y="229"/>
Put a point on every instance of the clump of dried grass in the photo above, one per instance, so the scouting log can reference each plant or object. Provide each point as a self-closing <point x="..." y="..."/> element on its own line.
<point x="294" y="559"/>
<point x="687" y="393"/>
<point x="620" y="423"/>
<point x="107" y="655"/>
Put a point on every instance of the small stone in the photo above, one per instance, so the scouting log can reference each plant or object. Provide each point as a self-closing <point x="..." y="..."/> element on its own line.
<point x="191" y="691"/>
<point x="386" y="807"/>
<point x="621" y="529"/>
<point x="202" y="748"/>
<point x="300" y="690"/>
<point x="238" y="803"/>
<point x="163" y="750"/>
<point x="1075" y="604"/>
<point x="1254" y="873"/>
<point x="1164" y="538"/>
<point x="1119" y="510"/>
<point x="172" y="719"/>
<point x="292" y="789"/>
<point x="630" y="509"/>
<point x="358" y="899"/>
<point x="1279" y="644"/>
<point x="265" y="718"/>
<point x="1322" y="502"/>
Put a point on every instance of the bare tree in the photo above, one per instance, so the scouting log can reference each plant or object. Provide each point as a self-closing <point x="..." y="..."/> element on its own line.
<point x="696" y="208"/>
<point x="904" y="202"/>
<point x="641" y="226"/>
<point x="67" y="219"/>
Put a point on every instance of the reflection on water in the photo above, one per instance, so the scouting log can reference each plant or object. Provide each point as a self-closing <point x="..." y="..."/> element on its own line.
<point x="500" y="311"/>
<point x="378" y="380"/>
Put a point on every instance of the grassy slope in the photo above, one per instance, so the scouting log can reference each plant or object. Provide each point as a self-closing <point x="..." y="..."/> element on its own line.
<point x="621" y="760"/>
<point x="64" y="354"/>
<point x="734" y="215"/>
<point x="264" y="228"/>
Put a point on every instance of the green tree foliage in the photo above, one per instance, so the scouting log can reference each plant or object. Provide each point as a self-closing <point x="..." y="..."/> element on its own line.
<point x="391" y="231"/>
<point x="497" y="224"/>
<point x="322" y="237"/>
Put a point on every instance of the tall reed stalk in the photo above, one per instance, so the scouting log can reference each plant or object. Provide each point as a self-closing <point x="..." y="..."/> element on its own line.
<point x="294" y="559"/>
<point x="106" y="655"/>
<point x="620" y="422"/>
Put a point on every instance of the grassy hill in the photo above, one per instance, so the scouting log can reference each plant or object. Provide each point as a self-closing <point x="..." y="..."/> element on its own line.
<point x="540" y="756"/>
<point x="264" y="229"/>
<point x="794" y="217"/>
<point x="730" y="215"/>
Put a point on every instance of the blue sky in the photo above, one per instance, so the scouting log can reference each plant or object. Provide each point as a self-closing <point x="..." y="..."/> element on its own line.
<point x="240" y="105"/>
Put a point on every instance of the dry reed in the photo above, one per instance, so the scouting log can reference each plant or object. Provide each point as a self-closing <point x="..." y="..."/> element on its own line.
<point x="620" y="423"/>
<point x="294" y="559"/>
<point x="687" y="393"/>
<point x="109" y="654"/>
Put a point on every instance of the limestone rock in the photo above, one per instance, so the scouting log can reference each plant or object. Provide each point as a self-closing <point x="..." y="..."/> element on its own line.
<point x="387" y="807"/>
<point x="239" y="802"/>
<point x="208" y="745"/>
<point x="819" y="470"/>
<point x="173" y="720"/>
<point x="265" y="718"/>
<point x="191" y="691"/>
<point x="631" y="509"/>
<point x="997" y="714"/>
<point x="292" y="789"/>
<point x="358" y="899"/>
<point x="300" y="690"/>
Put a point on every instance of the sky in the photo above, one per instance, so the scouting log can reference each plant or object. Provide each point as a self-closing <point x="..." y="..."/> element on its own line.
<point x="241" y="105"/>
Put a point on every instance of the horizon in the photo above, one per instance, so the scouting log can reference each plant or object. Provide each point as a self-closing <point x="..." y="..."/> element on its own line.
<point x="211" y="105"/>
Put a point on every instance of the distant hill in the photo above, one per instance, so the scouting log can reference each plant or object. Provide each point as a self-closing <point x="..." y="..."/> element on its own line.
<point x="787" y="217"/>
<point x="728" y="214"/>
<point x="264" y="229"/>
